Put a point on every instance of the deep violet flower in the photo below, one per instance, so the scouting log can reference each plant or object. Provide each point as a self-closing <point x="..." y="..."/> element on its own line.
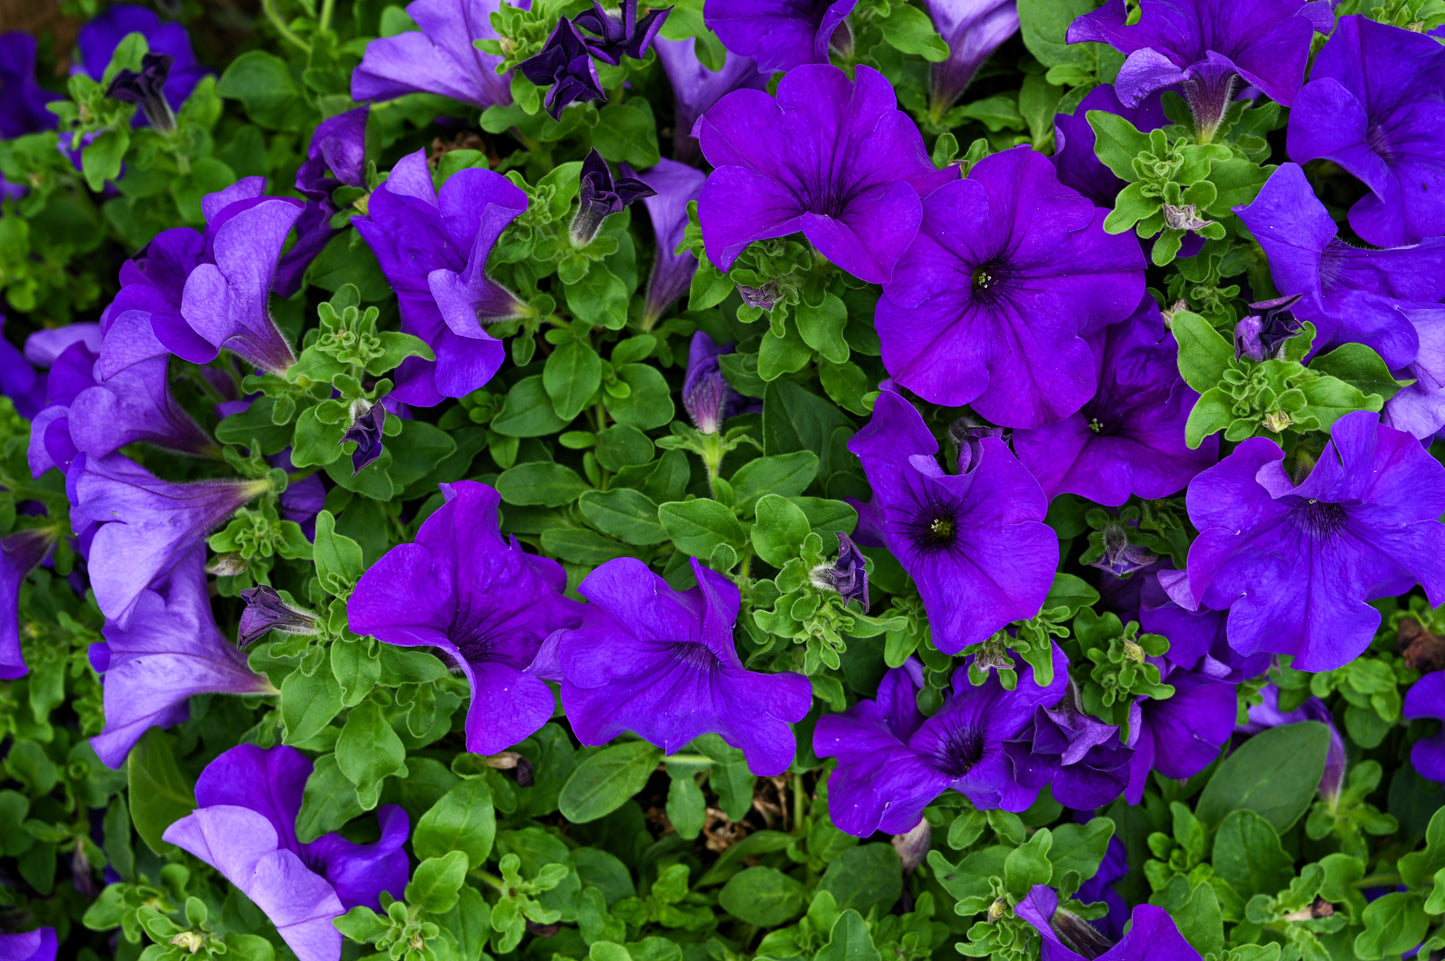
<point x="440" y="58"/>
<point x="975" y="543"/>
<point x="990" y="304"/>
<point x="1180" y="735"/>
<point x="38" y="945"/>
<point x="1206" y="45"/>
<point x="1295" y="564"/>
<point x="973" y="30"/>
<point x="1074" y="158"/>
<point x="483" y="601"/>
<point x="1350" y="293"/>
<point x="1129" y="439"/>
<point x="20" y="553"/>
<point x="146" y="90"/>
<point x="1262" y="336"/>
<point x="663" y="664"/>
<point x="1426" y="698"/>
<point x="1152" y="935"/>
<point x="141" y="527"/>
<point x="1101" y="887"/>
<point x="847" y="575"/>
<point x="152" y="283"/>
<point x="98" y="39"/>
<point x="565" y="67"/>
<point x="18" y="378"/>
<point x="779" y="34"/>
<point x="169" y="649"/>
<point x="833" y="159"/>
<point x="623" y="35"/>
<point x="433" y="248"/>
<point x="245" y="827"/>
<point x="366" y="432"/>
<point x="337" y="145"/>
<point x="267" y="611"/>
<point x="695" y="88"/>
<point x="706" y="395"/>
<point x="1267" y="714"/>
<point x="600" y="195"/>
<point x="1084" y="759"/>
<point x="674" y="185"/>
<point x="1419" y="408"/>
<point x="22" y="109"/>
<point x="893" y="762"/>
<point x="1375" y="105"/>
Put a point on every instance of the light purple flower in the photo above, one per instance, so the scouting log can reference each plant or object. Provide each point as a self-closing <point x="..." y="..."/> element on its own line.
<point x="663" y="664"/>
<point x="245" y="827"/>
<point x="779" y="34"/>
<point x="440" y="58"/>
<point x="695" y="88"/>
<point x="834" y="160"/>
<point x="38" y="945"/>
<point x="990" y="304"/>
<point x="1296" y="564"/>
<point x="20" y="553"/>
<point x="973" y="30"/>
<point x="674" y="185"/>
<point x="706" y="395"/>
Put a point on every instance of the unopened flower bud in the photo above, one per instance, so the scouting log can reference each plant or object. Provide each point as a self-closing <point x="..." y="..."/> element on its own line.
<point x="847" y="575"/>
<point x="266" y="611"/>
<point x="147" y="90"/>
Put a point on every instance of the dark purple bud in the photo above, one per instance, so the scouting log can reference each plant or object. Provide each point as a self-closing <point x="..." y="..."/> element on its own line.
<point x="762" y="297"/>
<point x="621" y="35"/>
<point x="564" y="66"/>
<point x="967" y="435"/>
<point x="706" y="395"/>
<point x="366" y="432"/>
<point x="600" y="196"/>
<point x="1079" y="934"/>
<point x="146" y="89"/>
<point x="266" y="611"/>
<point x="1120" y="557"/>
<point x="912" y="847"/>
<point x="1260" y="335"/>
<point x="847" y="575"/>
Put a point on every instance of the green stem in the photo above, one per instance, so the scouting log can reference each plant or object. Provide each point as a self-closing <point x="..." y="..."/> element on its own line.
<point x="1383" y="880"/>
<point x="327" y="8"/>
<point x="689" y="759"/>
<point x="712" y="455"/>
<point x="287" y="34"/>
<point x="797" y="801"/>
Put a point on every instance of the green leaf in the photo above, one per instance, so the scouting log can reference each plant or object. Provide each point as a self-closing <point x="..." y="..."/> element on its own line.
<point x="328" y="802"/>
<point x="649" y="403"/>
<point x="796" y="420"/>
<point x="698" y="525"/>
<point x="606" y="780"/>
<point x="1117" y="142"/>
<point x="101" y="159"/>
<point x="778" y="534"/>
<point x="1248" y="855"/>
<point x="785" y="474"/>
<point x="339" y="562"/>
<point x="1079" y="848"/>
<point x="540" y="484"/>
<point x="264" y="85"/>
<point x="159" y="793"/>
<point x="308" y="704"/>
<point x="821" y="327"/>
<point x="572" y="377"/>
<point x="850" y="939"/>
<point x="625" y="513"/>
<point x="1274" y="774"/>
<point x="908" y="30"/>
<point x="763" y="897"/>
<point x="1394" y="924"/>
<point x="1212" y="412"/>
<point x="1329" y="399"/>
<point x="1360" y="367"/>
<point x="686" y="807"/>
<point x="438" y="880"/>
<point x="528" y="411"/>
<point x="1045" y="25"/>
<point x="865" y="877"/>
<point x="463" y="820"/>
<point x="626" y="133"/>
<point x="1204" y="354"/>
<point x="368" y="751"/>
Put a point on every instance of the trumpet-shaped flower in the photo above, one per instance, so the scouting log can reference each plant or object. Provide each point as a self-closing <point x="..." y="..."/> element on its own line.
<point x="439" y="58"/>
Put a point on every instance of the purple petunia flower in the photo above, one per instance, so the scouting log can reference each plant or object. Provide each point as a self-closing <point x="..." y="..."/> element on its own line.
<point x="38" y="945"/>
<point x="1267" y="714"/>
<point x="780" y="34"/>
<point x="1084" y="759"/>
<point x="1351" y="294"/>
<point x="1375" y="105"/>
<point x="695" y="88"/>
<point x="973" y="30"/>
<point x="833" y="159"/>
<point x="1074" y="158"/>
<point x="974" y="543"/>
<point x="98" y="39"/>
<point x="1426" y="698"/>
<point x="1180" y="735"/>
<point x="893" y="762"/>
<point x="339" y="145"/>
<point x="140" y="527"/>
<point x="245" y="827"/>
<point x="1419" y="408"/>
<point x="20" y="553"/>
<point x="1206" y="45"/>
<point x="366" y="433"/>
<point x="663" y="664"/>
<point x="22" y="109"/>
<point x="565" y="67"/>
<point x="440" y="58"/>
<point x="1128" y="440"/>
<point x="1101" y="887"/>
<point x="1295" y="564"/>
<point x="169" y="650"/>
<point x="1152" y="936"/>
<point x="1262" y="336"/>
<point x="600" y="195"/>
<point x="483" y="601"/>
<point x="847" y="575"/>
<point x="624" y="35"/>
<point x="674" y="185"/>
<point x="18" y="378"/>
<point x="433" y="248"/>
<point x="147" y="90"/>
<point x="990" y="304"/>
<point x="266" y="612"/>
<point x="706" y="395"/>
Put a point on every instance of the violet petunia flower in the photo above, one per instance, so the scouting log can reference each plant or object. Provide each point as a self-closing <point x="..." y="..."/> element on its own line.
<point x="22" y="109"/>
<point x="1419" y="408"/>
<point x="834" y="160"/>
<point x="623" y="35"/>
<point x="1351" y="294"/>
<point x="18" y="378"/>
<point x="366" y="433"/>
<point x="1375" y="105"/>
<point x="38" y="945"/>
<point x="480" y="599"/>
<point x="1207" y="45"/>
<point x="337" y="145"/>
<point x="267" y="611"/>
<point x="151" y="284"/>
<point x="1120" y="557"/>
<point x="140" y="527"/>
<point x="780" y="34"/>
<point x="147" y="90"/>
<point x="600" y="195"/>
<point x="674" y="185"/>
<point x="1426" y="698"/>
<point x="245" y="827"/>
<point x="991" y="303"/>
<point x="1077" y="164"/>
<point x="973" y="30"/>
<point x="663" y="664"/>
<point x="893" y="762"/>
<point x="1267" y="714"/>
<point x="847" y="575"/>
<point x="974" y="543"/>
<point x="1180" y="735"/>
<point x="1101" y="887"/>
<point x="1261" y="336"/>
<point x="20" y="553"/>
<point x="440" y="58"/>
<point x="1152" y="935"/>
<point x="169" y="649"/>
<point x="706" y="395"/>
<point x="98" y="39"/>
<point x="1084" y="759"/>
<point x="433" y="249"/>
<point x="695" y="88"/>
<point x="1296" y="564"/>
<point x="565" y="67"/>
<point x="1129" y="439"/>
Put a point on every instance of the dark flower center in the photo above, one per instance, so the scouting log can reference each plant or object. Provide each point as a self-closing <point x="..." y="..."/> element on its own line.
<point x="695" y="655"/>
<point x="1379" y="141"/>
<point x="1320" y="518"/>
<point x="960" y="749"/>
<point x="474" y="632"/>
<point x="990" y="281"/>
<point x="933" y="528"/>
